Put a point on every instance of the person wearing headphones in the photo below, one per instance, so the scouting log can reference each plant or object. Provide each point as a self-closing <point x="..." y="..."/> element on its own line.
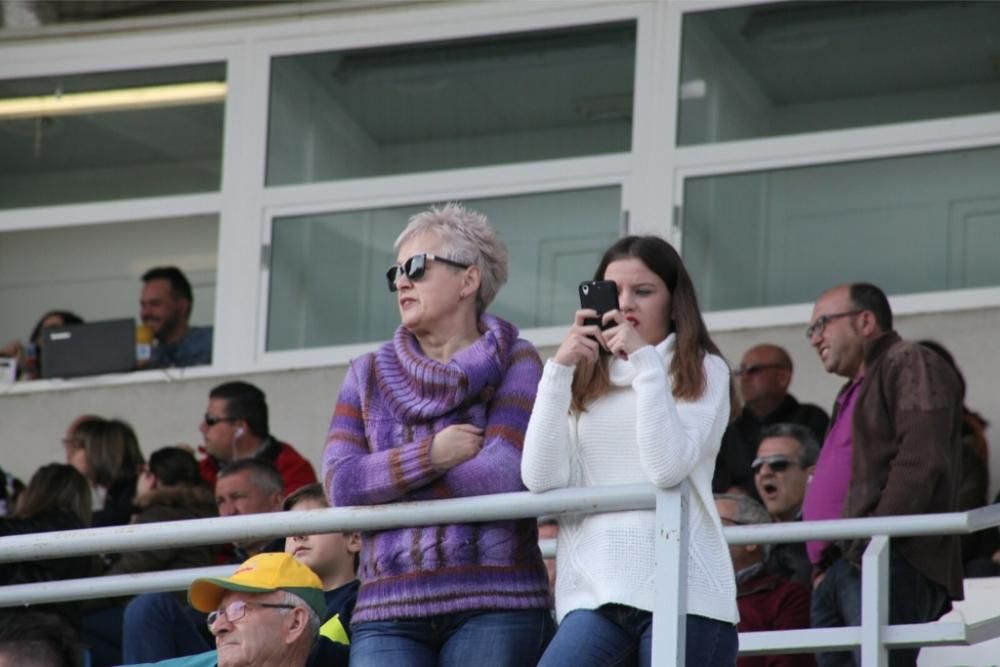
<point x="235" y="427"/>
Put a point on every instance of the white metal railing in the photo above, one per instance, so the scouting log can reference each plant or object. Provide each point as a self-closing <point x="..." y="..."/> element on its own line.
<point x="874" y="636"/>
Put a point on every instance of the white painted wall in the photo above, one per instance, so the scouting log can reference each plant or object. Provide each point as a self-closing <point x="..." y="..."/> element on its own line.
<point x="301" y="401"/>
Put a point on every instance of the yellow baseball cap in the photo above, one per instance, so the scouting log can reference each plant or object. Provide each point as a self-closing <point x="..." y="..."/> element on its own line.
<point x="264" y="573"/>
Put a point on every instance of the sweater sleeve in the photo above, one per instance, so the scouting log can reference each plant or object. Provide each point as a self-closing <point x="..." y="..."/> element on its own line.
<point x="675" y="436"/>
<point x="352" y="473"/>
<point x="545" y="464"/>
<point x="497" y="466"/>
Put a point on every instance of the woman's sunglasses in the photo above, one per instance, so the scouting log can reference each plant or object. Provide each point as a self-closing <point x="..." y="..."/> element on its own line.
<point x="414" y="268"/>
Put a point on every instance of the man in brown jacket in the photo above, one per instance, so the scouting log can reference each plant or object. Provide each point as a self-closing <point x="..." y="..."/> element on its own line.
<point x="899" y="418"/>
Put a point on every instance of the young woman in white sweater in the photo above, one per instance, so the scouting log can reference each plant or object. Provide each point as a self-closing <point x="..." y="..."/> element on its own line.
<point x="645" y="400"/>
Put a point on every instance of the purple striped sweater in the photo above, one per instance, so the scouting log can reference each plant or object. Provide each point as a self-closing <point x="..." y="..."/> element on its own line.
<point x="392" y="403"/>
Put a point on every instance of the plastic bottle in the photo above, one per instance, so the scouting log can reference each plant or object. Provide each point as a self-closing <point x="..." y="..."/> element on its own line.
<point x="143" y="345"/>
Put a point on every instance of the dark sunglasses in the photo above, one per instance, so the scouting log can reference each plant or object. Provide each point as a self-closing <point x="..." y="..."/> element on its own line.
<point x="414" y="268"/>
<point x="212" y="421"/>
<point x="776" y="463"/>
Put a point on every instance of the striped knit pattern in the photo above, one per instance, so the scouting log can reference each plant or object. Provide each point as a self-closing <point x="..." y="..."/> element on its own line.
<point x="392" y="403"/>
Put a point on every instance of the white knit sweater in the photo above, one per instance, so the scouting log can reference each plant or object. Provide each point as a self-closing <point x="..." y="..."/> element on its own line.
<point x="637" y="432"/>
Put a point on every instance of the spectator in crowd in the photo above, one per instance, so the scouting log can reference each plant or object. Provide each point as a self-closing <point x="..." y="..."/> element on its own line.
<point x="37" y="639"/>
<point x="786" y="458"/>
<point x="334" y="559"/>
<point x="765" y="375"/>
<point x="170" y="488"/>
<point x="973" y="491"/>
<point x="106" y="452"/>
<point x="440" y="412"/>
<point x="157" y="626"/>
<point x="652" y="410"/>
<point x="267" y="614"/>
<point x="57" y="498"/>
<point x="29" y="356"/>
<point x="165" y="307"/>
<point x="236" y="427"/>
<point x="894" y="448"/>
<point x="766" y="601"/>
<point x="10" y="488"/>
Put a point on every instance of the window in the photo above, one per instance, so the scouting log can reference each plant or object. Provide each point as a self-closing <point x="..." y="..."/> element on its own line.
<point x="111" y="135"/>
<point x="908" y="224"/>
<point x="94" y="270"/>
<point x="794" y="67"/>
<point x="451" y="104"/>
<point x="327" y="274"/>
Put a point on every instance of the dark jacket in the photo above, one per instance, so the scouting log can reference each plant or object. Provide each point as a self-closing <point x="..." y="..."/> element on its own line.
<point x="55" y="569"/>
<point x="330" y="649"/>
<point x="170" y="503"/>
<point x="739" y="442"/>
<point x="117" y="510"/>
<point x="907" y="450"/>
<point x="769" y="602"/>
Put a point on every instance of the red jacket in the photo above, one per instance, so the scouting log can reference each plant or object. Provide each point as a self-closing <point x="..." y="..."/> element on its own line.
<point x="769" y="602"/>
<point x="295" y="470"/>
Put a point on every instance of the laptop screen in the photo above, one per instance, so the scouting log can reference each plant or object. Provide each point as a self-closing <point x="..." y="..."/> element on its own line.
<point x="93" y="348"/>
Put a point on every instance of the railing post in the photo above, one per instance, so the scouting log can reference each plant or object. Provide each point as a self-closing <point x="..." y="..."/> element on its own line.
<point x="875" y="602"/>
<point x="670" y="610"/>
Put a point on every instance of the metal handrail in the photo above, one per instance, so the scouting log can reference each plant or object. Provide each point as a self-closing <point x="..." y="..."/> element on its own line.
<point x="874" y="635"/>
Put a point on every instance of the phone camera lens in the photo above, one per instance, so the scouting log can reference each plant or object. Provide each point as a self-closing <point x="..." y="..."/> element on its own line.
<point x="586" y="289"/>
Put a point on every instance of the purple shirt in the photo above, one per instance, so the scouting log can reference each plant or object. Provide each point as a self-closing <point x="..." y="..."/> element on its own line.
<point x="828" y="486"/>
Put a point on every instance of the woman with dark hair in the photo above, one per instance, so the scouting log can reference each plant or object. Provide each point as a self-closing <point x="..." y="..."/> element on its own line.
<point x="645" y="399"/>
<point x="106" y="452"/>
<point x="440" y="412"/>
<point x="56" y="498"/>
<point x="29" y="357"/>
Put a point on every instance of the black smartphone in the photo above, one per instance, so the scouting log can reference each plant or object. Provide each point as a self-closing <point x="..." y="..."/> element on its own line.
<point x="599" y="295"/>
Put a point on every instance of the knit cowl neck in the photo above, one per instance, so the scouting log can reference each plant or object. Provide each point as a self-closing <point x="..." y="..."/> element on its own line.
<point x="622" y="372"/>
<point x="418" y="389"/>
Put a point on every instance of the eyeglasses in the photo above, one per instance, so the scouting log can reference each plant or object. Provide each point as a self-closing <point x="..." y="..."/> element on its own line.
<point x="72" y="443"/>
<point x="237" y="609"/>
<point x="817" y="327"/>
<point x="211" y="421"/>
<point x="752" y="369"/>
<point x="777" y="463"/>
<point x="415" y="266"/>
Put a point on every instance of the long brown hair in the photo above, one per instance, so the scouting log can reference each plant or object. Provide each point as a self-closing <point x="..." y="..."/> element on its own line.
<point x="56" y="487"/>
<point x="687" y="373"/>
<point x="112" y="449"/>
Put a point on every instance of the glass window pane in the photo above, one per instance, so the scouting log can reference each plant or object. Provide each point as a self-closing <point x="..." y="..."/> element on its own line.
<point x="94" y="270"/>
<point x="909" y="224"/>
<point x="328" y="282"/>
<point x="794" y="67"/>
<point x="452" y="104"/>
<point x="111" y="135"/>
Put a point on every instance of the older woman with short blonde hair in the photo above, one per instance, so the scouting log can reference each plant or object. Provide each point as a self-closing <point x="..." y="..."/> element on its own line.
<point x="440" y="412"/>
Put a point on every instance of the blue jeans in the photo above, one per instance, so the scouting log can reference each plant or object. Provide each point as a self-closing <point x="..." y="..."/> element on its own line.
<point x="483" y="639"/>
<point x="157" y="627"/>
<point x="616" y="635"/>
<point x="836" y="602"/>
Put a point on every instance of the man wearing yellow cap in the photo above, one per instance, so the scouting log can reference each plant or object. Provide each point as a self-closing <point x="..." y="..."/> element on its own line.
<point x="267" y="614"/>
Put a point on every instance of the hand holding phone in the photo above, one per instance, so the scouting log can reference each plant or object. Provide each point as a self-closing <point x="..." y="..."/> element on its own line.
<point x="600" y="296"/>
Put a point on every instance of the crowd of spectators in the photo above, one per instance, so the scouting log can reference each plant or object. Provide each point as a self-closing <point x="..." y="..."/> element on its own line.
<point x="457" y="404"/>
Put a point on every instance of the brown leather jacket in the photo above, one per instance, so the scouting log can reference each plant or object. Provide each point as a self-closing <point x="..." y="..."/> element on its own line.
<point x="907" y="450"/>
